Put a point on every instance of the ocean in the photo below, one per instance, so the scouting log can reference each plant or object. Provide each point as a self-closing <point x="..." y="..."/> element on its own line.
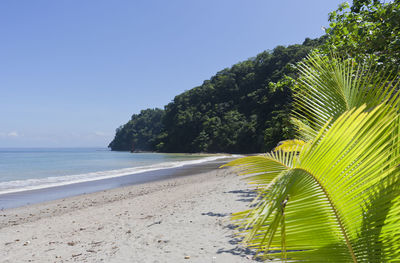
<point x="23" y="169"/>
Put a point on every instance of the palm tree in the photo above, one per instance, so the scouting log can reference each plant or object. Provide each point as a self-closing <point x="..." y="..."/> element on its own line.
<point x="334" y="195"/>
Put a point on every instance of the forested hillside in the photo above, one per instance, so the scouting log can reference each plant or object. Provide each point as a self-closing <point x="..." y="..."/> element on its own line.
<point x="237" y="110"/>
<point x="246" y="108"/>
<point x="140" y="133"/>
<point x="241" y="109"/>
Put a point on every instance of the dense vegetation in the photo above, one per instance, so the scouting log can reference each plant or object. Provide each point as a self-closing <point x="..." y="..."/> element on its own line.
<point x="244" y="108"/>
<point x="368" y="30"/>
<point x="140" y="133"/>
<point x="335" y="196"/>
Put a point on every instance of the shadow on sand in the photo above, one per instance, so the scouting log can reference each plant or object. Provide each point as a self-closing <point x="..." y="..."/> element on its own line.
<point x="238" y="250"/>
<point x="244" y="195"/>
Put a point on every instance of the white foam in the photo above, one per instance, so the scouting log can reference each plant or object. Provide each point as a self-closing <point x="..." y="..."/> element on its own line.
<point x="34" y="184"/>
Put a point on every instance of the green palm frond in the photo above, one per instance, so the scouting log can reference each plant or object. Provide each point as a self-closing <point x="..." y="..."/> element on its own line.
<point x="329" y="86"/>
<point x="335" y="199"/>
<point x="335" y="196"/>
<point x="265" y="168"/>
<point x="304" y="131"/>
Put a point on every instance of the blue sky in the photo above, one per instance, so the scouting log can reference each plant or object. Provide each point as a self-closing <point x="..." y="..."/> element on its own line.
<point x="72" y="71"/>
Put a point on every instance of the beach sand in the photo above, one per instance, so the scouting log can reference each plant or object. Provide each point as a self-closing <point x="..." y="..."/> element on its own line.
<point x="182" y="219"/>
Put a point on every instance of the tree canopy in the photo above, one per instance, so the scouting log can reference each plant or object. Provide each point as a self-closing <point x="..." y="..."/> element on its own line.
<point x="140" y="133"/>
<point x="245" y="108"/>
<point x="241" y="109"/>
<point x="368" y="30"/>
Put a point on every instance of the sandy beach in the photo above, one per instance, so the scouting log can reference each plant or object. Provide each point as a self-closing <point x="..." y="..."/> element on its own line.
<point x="181" y="219"/>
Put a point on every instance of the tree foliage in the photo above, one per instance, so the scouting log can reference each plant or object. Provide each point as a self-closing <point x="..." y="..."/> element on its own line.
<point x="368" y="30"/>
<point x="244" y="108"/>
<point x="142" y="132"/>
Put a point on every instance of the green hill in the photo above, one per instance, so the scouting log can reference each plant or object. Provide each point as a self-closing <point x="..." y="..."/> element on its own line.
<point x="241" y="109"/>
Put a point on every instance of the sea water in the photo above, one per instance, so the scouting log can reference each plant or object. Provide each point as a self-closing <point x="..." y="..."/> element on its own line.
<point x="38" y="168"/>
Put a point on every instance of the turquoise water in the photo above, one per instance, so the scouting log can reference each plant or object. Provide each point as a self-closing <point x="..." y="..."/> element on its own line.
<point x="27" y="169"/>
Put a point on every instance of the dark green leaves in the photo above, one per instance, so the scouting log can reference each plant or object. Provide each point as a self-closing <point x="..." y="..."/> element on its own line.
<point x="369" y="30"/>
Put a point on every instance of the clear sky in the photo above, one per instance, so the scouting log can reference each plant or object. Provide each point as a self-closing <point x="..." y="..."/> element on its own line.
<point x="72" y="71"/>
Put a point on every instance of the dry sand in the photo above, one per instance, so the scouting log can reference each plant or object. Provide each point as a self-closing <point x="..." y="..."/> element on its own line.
<point x="184" y="219"/>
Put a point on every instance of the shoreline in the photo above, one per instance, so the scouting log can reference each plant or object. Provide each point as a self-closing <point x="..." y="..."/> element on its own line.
<point x="179" y="219"/>
<point x="29" y="197"/>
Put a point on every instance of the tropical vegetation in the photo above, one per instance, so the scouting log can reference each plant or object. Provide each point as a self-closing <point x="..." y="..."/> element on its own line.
<point x="140" y="132"/>
<point x="368" y="30"/>
<point x="335" y="196"/>
<point x="246" y="108"/>
<point x="242" y="109"/>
